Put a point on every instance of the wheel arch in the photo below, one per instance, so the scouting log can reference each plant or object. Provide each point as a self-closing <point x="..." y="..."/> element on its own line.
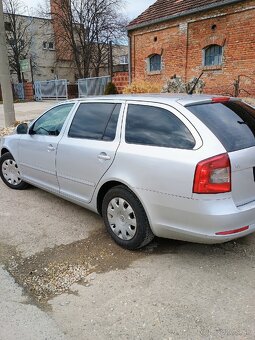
<point x="104" y="189"/>
<point x="3" y="151"/>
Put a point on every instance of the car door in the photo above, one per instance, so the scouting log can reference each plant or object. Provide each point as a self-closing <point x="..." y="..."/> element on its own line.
<point x="88" y="149"/>
<point x="157" y="150"/>
<point x="37" y="149"/>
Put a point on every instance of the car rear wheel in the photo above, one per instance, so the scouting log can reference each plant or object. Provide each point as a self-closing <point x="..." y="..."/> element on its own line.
<point x="125" y="218"/>
<point x="10" y="173"/>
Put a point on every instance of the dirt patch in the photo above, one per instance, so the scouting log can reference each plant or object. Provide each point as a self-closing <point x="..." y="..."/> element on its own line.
<point x="6" y="131"/>
<point x="53" y="271"/>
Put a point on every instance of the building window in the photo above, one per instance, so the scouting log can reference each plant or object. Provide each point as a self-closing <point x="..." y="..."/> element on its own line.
<point x="51" y="45"/>
<point x="123" y="59"/>
<point x="213" y="55"/>
<point x="7" y="26"/>
<point x="155" y="63"/>
<point x="45" y="45"/>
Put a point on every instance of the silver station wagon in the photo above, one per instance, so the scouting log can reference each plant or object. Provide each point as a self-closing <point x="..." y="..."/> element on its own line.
<point x="178" y="167"/>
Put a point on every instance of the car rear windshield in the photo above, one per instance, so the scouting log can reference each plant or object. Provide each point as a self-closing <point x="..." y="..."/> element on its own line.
<point x="232" y="122"/>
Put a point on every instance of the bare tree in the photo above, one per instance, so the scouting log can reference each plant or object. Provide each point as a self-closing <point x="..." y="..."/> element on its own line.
<point x="84" y="30"/>
<point x="18" y="33"/>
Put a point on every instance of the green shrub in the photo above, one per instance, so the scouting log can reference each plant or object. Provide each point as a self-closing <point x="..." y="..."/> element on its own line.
<point x="110" y="89"/>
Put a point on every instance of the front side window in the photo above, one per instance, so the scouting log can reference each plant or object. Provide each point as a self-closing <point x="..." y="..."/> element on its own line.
<point x="95" y="121"/>
<point x="213" y="55"/>
<point x="50" y="124"/>
<point x="155" y="126"/>
<point x="155" y="63"/>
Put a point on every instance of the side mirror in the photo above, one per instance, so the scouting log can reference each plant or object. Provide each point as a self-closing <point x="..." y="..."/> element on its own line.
<point x="22" y="129"/>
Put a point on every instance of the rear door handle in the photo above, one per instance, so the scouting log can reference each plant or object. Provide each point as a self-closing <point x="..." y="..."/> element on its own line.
<point x="103" y="156"/>
<point x="51" y="148"/>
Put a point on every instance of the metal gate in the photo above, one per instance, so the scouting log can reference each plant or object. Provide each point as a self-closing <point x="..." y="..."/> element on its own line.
<point x="19" y="91"/>
<point x="92" y="86"/>
<point x="51" y="89"/>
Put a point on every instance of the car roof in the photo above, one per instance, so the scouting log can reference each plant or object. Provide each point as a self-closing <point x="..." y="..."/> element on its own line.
<point x="164" y="98"/>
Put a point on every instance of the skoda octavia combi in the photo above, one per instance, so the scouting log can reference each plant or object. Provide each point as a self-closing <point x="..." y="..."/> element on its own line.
<point x="179" y="167"/>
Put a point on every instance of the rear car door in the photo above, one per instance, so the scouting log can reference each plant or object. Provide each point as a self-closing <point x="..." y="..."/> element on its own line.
<point x="37" y="149"/>
<point x="88" y="149"/>
<point x="157" y="150"/>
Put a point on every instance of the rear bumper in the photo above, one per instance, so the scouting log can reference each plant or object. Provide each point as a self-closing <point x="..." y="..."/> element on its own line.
<point x="196" y="219"/>
<point x="184" y="235"/>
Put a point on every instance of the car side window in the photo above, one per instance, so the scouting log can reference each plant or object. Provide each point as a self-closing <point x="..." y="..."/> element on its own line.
<point x="50" y="124"/>
<point x="155" y="126"/>
<point x="95" y="121"/>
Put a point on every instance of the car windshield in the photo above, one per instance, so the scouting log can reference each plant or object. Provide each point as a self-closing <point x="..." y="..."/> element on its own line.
<point x="232" y="122"/>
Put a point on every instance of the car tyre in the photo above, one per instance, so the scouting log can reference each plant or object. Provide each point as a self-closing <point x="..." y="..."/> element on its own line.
<point x="10" y="174"/>
<point x="125" y="218"/>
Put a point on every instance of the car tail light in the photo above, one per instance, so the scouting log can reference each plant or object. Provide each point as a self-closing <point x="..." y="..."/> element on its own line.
<point x="220" y="99"/>
<point x="213" y="175"/>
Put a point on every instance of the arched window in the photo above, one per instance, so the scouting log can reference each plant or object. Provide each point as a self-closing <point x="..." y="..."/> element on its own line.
<point x="213" y="55"/>
<point x="155" y="63"/>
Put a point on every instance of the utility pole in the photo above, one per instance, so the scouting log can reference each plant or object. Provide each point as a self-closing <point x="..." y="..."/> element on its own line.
<point x="110" y="63"/>
<point x="5" y="81"/>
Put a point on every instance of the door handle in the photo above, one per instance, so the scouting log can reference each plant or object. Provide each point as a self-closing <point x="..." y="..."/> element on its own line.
<point x="103" y="156"/>
<point x="51" y="148"/>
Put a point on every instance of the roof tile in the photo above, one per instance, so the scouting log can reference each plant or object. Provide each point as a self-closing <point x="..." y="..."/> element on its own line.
<point x="166" y="8"/>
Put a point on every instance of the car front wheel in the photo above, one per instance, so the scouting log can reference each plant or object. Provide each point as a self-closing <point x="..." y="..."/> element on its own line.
<point x="125" y="218"/>
<point x="10" y="173"/>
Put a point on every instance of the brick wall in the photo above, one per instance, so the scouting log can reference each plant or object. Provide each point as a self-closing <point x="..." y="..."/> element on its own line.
<point x="181" y="42"/>
<point x="28" y="91"/>
<point x="59" y="14"/>
<point x="120" y="79"/>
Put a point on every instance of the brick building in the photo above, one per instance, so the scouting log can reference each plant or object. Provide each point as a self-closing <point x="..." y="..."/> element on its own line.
<point x="185" y="38"/>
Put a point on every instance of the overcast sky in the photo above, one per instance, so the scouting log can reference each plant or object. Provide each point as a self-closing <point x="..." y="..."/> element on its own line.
<point x="132" y="9"/>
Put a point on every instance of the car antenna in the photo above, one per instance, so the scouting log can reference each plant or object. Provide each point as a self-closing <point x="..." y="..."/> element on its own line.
<point x="194" y="86"/>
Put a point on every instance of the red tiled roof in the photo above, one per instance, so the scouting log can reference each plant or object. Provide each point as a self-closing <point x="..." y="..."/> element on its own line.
<point x="169" y="8"/>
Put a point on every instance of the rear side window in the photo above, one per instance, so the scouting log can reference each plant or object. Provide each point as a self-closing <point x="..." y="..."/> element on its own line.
<point x="233" y="123"/>
<point x="95" y="121"/>
<point x="150" y="125"/>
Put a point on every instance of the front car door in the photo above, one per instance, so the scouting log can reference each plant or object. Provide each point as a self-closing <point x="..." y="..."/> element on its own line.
<point x="88" y="149"/>
<point x="37" y="149"/>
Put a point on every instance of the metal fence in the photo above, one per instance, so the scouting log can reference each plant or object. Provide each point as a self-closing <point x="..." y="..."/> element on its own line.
<point x="92" y="86"/>
<point x="18" y="89"/>
<point x="51" y="89"/>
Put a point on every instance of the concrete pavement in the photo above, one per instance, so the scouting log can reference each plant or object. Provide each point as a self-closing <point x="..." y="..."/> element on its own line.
<point x="20" y="320"/>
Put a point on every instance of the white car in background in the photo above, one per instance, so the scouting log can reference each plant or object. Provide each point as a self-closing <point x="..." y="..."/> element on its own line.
<point x="179" y="167"/>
